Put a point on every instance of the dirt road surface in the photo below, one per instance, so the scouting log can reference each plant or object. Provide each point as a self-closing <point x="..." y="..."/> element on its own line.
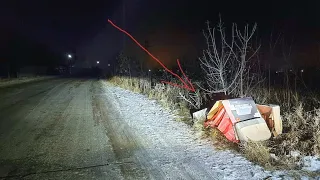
<point x="88" y="129"/>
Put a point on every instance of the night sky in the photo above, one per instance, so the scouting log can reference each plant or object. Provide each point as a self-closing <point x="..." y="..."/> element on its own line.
<point x="172" y="27"/>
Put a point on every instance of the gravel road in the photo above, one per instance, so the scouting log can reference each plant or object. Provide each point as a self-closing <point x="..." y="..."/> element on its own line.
<point x="88" y="129"/>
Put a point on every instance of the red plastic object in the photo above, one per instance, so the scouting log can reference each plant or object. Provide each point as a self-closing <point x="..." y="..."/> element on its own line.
<point x="222" y="121"/>
<point x="226" y="127"/>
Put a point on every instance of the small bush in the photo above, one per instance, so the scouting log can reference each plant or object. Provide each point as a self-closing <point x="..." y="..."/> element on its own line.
<point x="257" y="152"/>
<point x="301" y="126"/>
<point x="219" y="140"/>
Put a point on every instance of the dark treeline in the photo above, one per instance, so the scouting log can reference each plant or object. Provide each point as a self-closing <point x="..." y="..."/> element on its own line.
<point x="18" y="51"/>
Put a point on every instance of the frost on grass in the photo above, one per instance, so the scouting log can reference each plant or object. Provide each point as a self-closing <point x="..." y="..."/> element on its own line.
<point x="14" y="81"/>
<point x="171" y="144"/>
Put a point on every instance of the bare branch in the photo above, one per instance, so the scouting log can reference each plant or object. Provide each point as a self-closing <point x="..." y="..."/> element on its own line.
<point x="227" y="66"/>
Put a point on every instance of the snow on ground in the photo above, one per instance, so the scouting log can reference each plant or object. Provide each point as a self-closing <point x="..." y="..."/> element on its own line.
<point x="173" y="143"/>
<point x="311" y="163"/>
<point x="13" y="81"/>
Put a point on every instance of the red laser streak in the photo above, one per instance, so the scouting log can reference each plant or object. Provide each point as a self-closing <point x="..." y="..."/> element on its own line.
<point x="187" y="85"/>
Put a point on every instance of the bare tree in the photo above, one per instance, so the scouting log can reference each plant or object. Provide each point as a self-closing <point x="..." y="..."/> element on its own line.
<point x="193" y="99"/>
<point x="226" y="59"/>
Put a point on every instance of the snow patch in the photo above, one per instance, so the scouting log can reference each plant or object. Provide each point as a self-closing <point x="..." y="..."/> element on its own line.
<point x="172" y="145"/>
<point x="311" y="163"/>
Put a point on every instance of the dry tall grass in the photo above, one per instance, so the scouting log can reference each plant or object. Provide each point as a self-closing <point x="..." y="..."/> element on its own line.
<point x="301" y="126"/>
<point x="167" y="95"/>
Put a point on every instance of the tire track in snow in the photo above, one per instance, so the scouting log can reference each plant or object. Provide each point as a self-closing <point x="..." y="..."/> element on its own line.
<point x="123" y="141"/>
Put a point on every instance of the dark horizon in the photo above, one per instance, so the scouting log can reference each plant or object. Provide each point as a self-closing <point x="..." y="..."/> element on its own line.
<point x="172" y="28"/>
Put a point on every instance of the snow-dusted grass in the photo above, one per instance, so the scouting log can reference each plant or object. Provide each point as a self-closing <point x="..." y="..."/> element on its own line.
<point x="166" y="95"/>
<point x="301" y="126"/>
<point x="13" y="81"/>
<point x="172" y="144"/>
<point x="153" y="120"/>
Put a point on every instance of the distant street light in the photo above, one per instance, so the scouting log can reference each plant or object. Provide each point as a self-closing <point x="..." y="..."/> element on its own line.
<point x="98" y="62"/>
<point x="149" y="74"/>
<point x="108" y="64"/>
<point x="69" y="62"/>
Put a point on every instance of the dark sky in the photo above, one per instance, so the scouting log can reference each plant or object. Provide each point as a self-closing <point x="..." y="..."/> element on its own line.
<point x="172" y="27"/>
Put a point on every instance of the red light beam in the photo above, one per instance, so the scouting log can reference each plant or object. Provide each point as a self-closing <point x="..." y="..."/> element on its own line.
<point x="186" y="85"/>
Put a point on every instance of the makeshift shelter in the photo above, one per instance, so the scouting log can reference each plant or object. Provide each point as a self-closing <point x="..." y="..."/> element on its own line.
<point x="241" y="120"/>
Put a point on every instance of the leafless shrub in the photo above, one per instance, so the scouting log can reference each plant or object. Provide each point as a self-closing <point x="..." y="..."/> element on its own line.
<point x="227" y="63"/>
<point x="195" y="100"/>
<point x="301" y="128"/>
<point x="226" y="60"/>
